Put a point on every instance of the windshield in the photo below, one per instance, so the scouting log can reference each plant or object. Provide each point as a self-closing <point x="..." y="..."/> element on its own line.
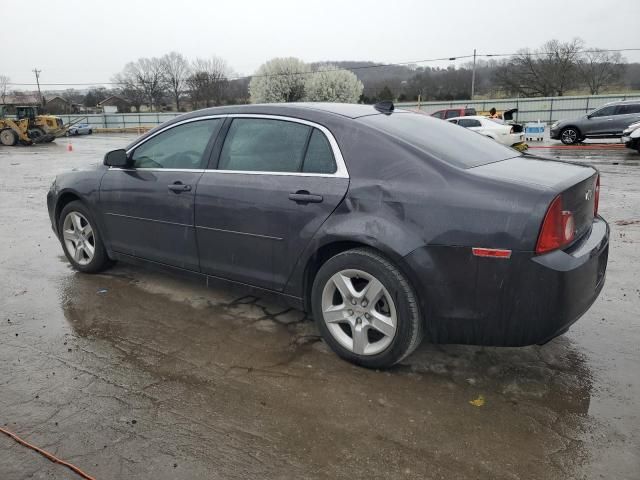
<point x="442" y="140"/>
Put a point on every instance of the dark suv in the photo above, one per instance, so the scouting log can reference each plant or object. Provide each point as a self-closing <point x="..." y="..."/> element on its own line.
<point x="606" y="122"/>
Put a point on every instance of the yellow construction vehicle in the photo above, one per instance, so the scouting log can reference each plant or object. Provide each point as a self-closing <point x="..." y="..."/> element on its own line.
<point x="28" y="127"/>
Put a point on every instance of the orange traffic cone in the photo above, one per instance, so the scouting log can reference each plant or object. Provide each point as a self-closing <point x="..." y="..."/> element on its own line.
<point x="69" y="147"/>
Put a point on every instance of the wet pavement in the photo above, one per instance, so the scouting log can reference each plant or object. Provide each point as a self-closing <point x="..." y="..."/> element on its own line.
<point x="133" y="374"/>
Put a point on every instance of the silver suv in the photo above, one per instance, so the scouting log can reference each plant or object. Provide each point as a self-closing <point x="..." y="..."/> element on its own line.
<point x="606" y="122"/>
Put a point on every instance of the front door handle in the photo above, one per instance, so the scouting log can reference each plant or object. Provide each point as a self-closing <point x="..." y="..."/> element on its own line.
<point x="303" y="196"/>
<point x="179" y="187"/>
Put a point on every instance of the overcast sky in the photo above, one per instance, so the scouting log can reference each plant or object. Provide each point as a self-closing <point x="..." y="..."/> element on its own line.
<point x="89" y="41"/>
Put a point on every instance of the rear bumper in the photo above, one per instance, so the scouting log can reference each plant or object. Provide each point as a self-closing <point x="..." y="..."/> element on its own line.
<point x="524" y="300"/>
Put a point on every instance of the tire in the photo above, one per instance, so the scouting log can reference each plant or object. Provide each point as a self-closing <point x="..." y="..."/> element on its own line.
<point x="8" y="137"/>
<point x="80" y="257"/>
<point x="570" y="135"/>
<point x="379" y="343"/>
<point x="90" y="132"/>
<point x="37" y="134"/>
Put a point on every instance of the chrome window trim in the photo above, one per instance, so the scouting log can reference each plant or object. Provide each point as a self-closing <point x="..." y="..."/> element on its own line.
<point x="168" y="127"/>
<point x="191" y="170"/>
<point x="341" y="167"/>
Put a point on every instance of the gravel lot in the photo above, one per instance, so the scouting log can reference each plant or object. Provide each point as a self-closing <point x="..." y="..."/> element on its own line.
<point x="138" y="375"/>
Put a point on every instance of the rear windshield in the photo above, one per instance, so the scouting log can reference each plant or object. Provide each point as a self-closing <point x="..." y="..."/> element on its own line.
<point x="443" y="140"/>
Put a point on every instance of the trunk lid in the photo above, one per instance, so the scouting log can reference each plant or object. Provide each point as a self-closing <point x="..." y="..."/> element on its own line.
<point x="576" y="184"/>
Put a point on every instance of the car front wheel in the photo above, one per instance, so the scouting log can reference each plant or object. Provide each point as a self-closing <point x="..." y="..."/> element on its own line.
<point x="569" y="136"/>
<point x="81" y="241"/>
<point x="366" y="309"/>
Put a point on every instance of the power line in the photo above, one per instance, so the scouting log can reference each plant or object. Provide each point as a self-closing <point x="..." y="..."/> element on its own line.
<point x="361" y="67"/>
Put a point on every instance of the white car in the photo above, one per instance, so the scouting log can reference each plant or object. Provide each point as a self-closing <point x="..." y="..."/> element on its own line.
<point x="631" y="136"/>
<point x="503" y="133"/>
<point x="80" y="129"/>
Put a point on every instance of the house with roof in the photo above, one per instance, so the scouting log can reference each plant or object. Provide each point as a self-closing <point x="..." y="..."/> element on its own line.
<point x="115" y="104"/>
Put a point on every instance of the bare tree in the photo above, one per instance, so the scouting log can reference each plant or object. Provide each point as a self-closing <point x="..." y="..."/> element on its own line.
<point x="129" y="89"/>
<point x="548" y="71"/>
<point x="599" y="68"/>
<point x="175" y="69"/>
<point x="144" y="75"/>
<point x="4" y="85"/>
<point x="207" y="82"/>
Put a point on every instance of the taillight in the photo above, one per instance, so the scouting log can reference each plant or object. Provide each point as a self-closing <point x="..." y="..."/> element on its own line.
<point x="558" y="228"/>
<point x="596" y="197"/>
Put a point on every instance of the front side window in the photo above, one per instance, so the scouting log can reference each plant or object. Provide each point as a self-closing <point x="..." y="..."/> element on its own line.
<point x="266" y="145"/>
<point x="438" y="114"/>
<point x="179" y="147"/>
<point x="452" y="113"/>
<point x="604" y="112"/>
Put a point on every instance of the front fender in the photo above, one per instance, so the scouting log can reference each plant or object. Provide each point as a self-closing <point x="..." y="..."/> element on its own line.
<point x="81" y="185"/>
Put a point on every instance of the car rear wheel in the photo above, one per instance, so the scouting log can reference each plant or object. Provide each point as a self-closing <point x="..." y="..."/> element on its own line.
<point x="81" y="241"/>
<point x="569" y="136"/>
<point x="366" y="309"/>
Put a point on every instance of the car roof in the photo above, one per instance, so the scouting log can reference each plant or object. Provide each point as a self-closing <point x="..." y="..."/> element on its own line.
<point x="317" y="112"/>
<point x="621" y="102"/>
<point x="476" y="117"/>
<point x="348" y="110"/>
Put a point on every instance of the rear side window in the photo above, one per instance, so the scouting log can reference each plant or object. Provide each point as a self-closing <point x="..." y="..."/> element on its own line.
<point x="263" y="145"/>
<point x="319" y="157"/>
<point x="457" y="146"/>
<point x="469" y="122"/>
<point x="452" y="113"/>
<point x="627" y="109"/>
<point x="469" y="112"/>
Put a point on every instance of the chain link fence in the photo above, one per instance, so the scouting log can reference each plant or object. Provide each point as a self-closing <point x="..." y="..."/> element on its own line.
<point x="544" y="109"/>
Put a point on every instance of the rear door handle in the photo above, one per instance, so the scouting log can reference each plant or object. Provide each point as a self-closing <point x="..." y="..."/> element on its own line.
<point x="179" y="187"/>
<point x="303" y="196"/>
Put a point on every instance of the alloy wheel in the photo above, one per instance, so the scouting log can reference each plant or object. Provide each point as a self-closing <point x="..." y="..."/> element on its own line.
<point x="569" y="136"/>
<point x="359" y="312"/>
<point x="79" y="238"/>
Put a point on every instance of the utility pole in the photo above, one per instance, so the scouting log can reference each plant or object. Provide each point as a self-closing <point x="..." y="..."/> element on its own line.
<point x="473" y="75"/>
<point x="37" y="72"/>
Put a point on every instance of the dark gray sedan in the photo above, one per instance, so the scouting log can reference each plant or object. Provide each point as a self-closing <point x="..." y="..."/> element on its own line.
<point x="388" y="225"/>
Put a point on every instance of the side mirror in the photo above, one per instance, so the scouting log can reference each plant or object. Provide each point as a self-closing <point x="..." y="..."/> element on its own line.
<point x="116" y="158"/>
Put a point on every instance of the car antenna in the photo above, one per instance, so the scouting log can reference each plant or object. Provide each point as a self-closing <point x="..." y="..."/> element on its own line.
<point x="384" y="107"/>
